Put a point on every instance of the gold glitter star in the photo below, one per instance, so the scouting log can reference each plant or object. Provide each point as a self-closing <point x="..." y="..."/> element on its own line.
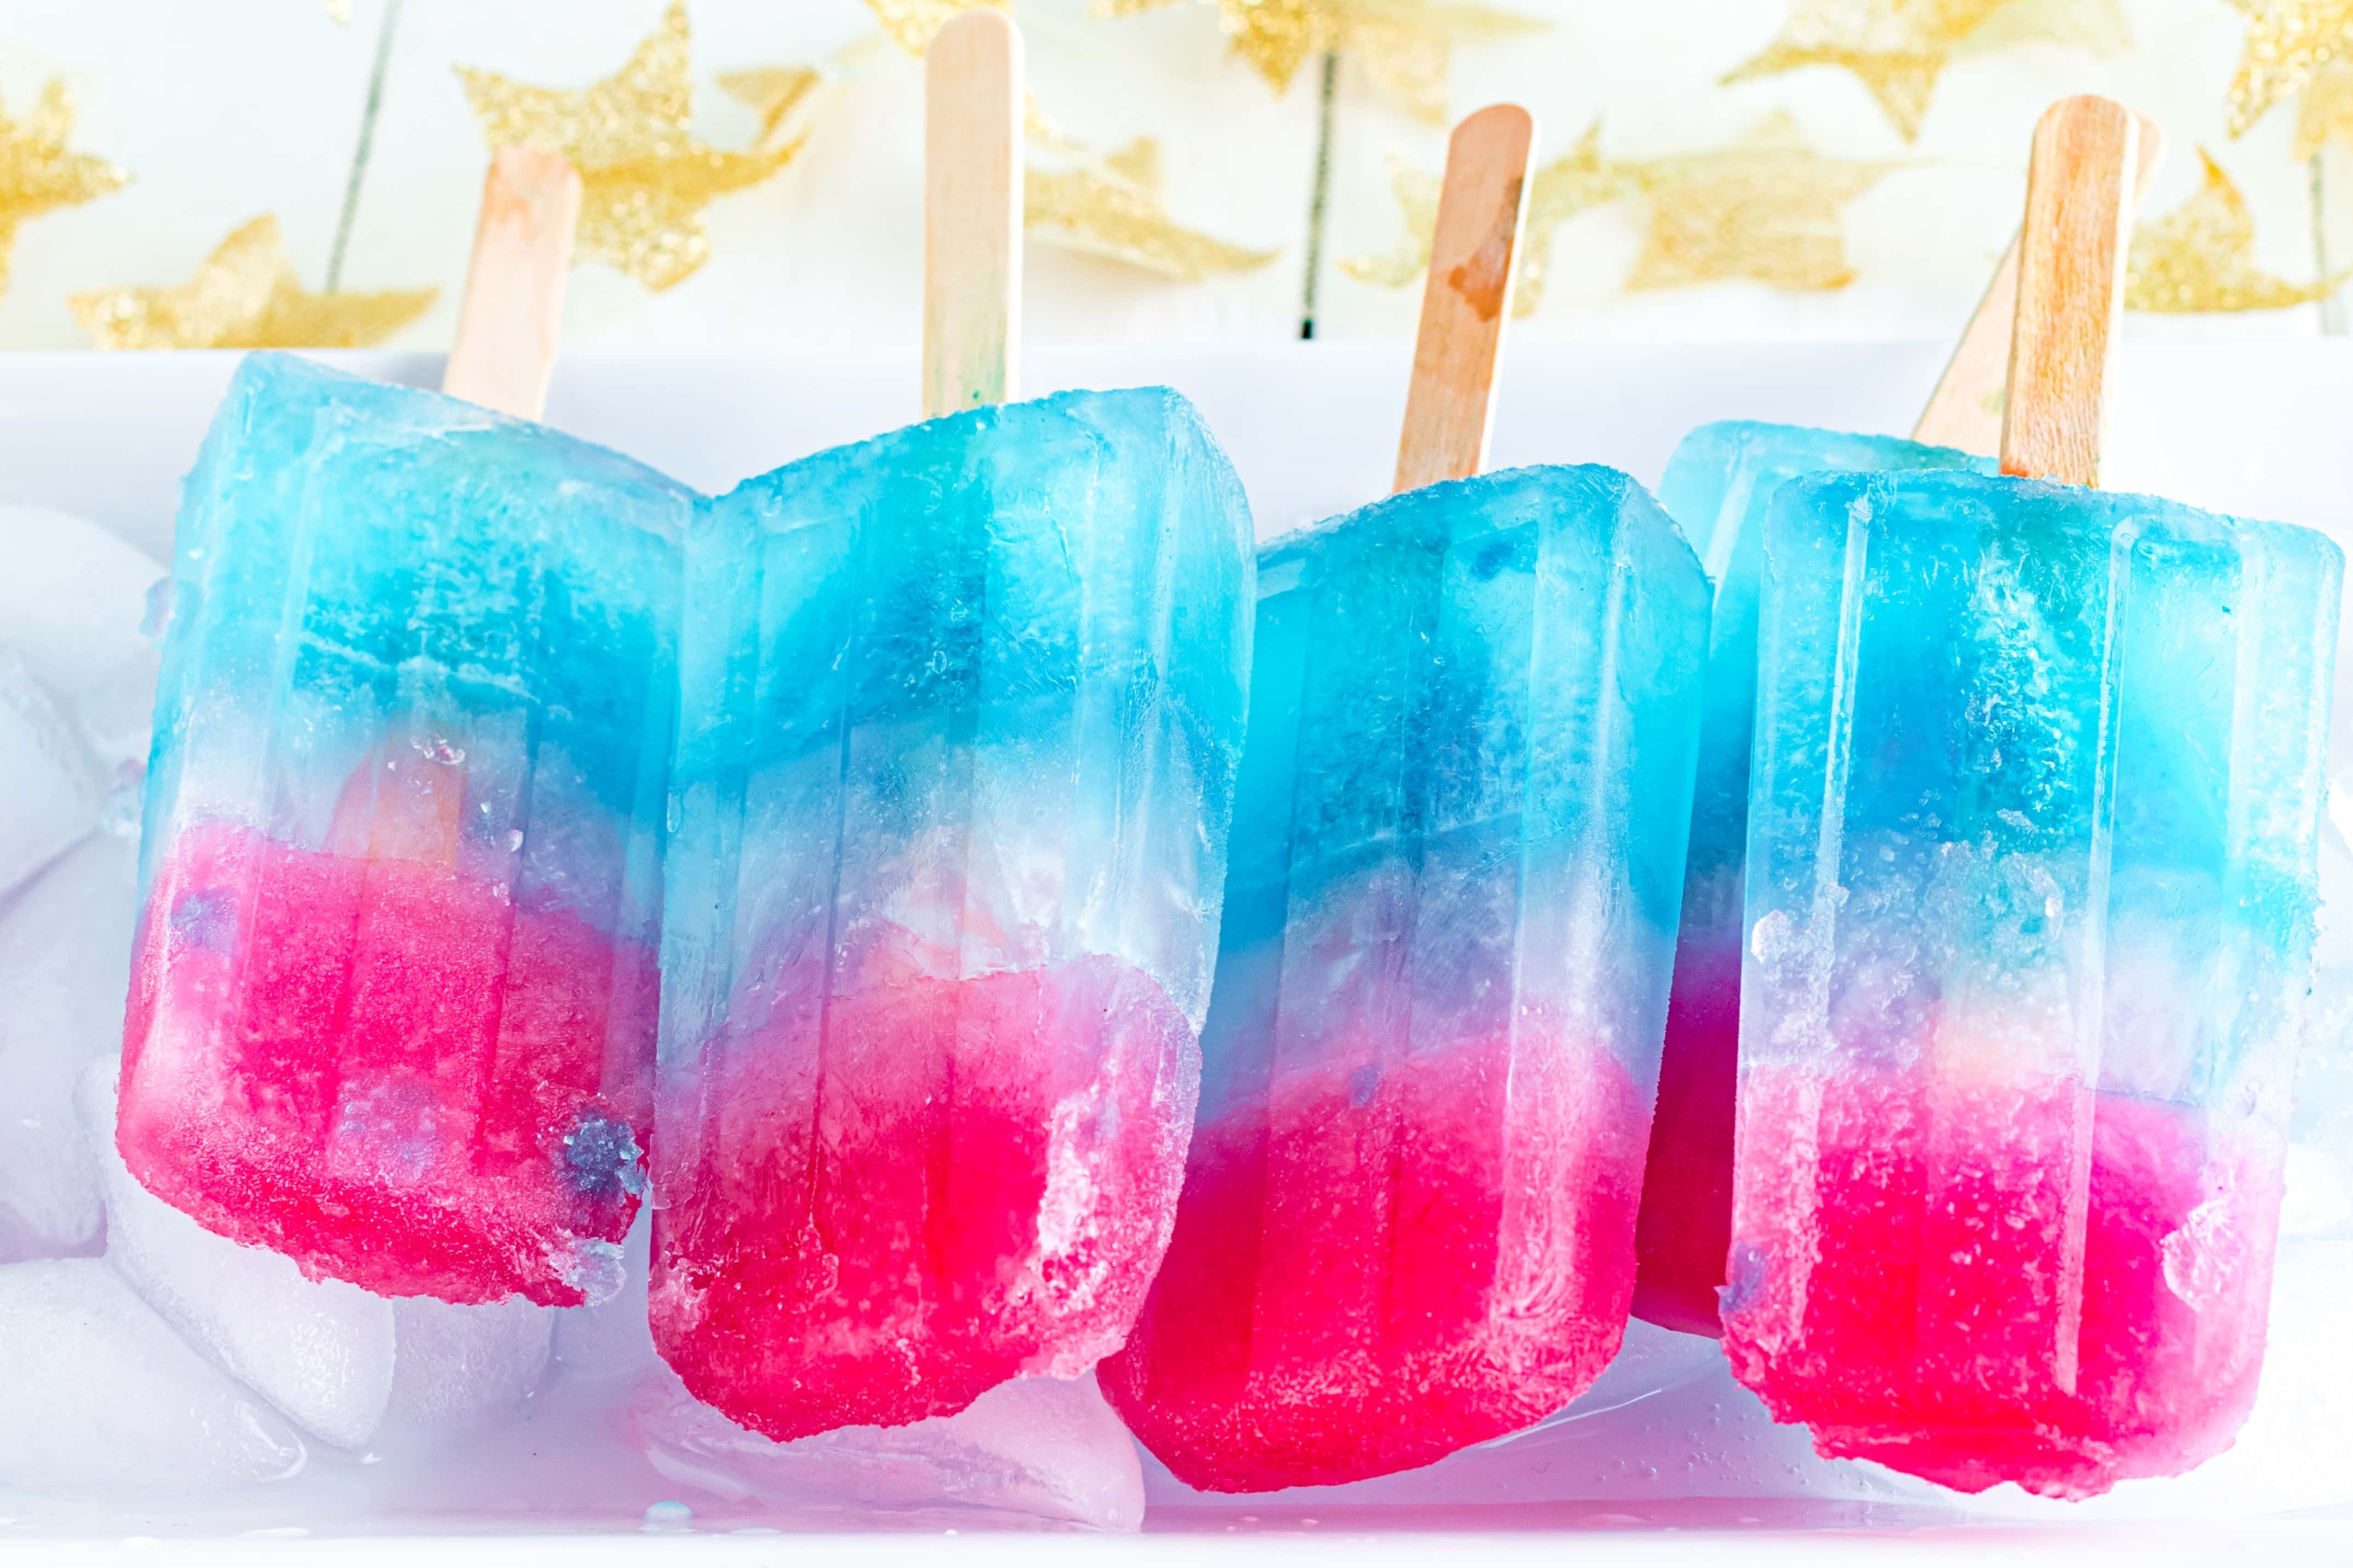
<point x="911" y="23"/>
<point x="1404" y="45"/>
<point x="339" y="10"/>
<point x="1767" y="208"/>
<point x="1897" y="49"/>
<point x="1114" y="210"/>
<point x="1575" y="182"/>
<point x="775" y="93"/>
<point x="2199" y="258"/>
<point x="38" y="175"/>
<point x="245" y="296"/>
<point x="2287" y="43"/>
<point x="645" y="178"/>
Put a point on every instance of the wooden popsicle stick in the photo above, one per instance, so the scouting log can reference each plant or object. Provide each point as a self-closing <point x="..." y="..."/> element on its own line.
<point x="506" y="323"/>
<point x="1965" y="411"/>
<point x="2071" y="253"/>
<point x="971" y="213"/>
<point x="1475" y="252"/>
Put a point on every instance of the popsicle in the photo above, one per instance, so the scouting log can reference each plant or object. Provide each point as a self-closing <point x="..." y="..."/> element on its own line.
<point x="961" y="711"/>
<point x="393" y="997"/>
<point x="2030" y="903"/>
<point x="1718" y="484"/>
<point x="1407" y="1221"/>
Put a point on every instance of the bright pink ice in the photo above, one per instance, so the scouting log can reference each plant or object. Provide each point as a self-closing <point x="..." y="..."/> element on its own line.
<point x="383" y="1068"/>
<point x="1393" y="1256"/>
<point x="1685" y="1227"/>
<point x="1955" y="1323"/>
<point x="930" y="1187"/>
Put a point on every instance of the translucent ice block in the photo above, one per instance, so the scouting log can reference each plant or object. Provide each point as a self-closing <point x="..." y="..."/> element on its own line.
<point x="1717" y="485"/>
<point x="962" y="708"/>
<point x="1408" y="1216"/>
<point x="2030" y="905"/>
<point x="393" y="1006"/>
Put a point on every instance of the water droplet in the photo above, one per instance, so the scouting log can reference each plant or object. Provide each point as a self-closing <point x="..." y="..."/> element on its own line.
<point x="660" y="1517"/>
<point x="514" y="839"/>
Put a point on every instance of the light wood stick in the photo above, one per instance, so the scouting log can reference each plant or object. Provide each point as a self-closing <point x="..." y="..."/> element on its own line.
<point x="2072" y="252"/>
<point x="1451" y="406"/>
<point x="971" y="213"/>
<point x="507" y="322"/>
<point x="1965" y="411"/>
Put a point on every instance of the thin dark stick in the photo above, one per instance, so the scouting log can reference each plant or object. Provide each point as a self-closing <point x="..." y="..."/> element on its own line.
<point x="2332" y="307"/>
<point x="1319" y="202"/>
<point x="366" y="144"/>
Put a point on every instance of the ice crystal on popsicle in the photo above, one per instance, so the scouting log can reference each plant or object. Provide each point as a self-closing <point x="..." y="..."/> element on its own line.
<point x="962" y="707"/>
<point x="1407" y="1222"/>
<point x="393" y="997"/>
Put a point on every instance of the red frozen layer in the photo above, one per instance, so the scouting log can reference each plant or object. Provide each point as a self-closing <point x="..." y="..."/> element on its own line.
<point x="384" y="1069"/>
<point x="1917" y="1278"/>
<point x="1393" y="1256"/>
<point x="1684" y="1228"/>
<point x="923" y="1187"/>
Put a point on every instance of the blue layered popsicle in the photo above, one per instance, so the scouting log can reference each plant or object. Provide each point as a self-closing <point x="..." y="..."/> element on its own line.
<point x="394" y="1000"/>
<point x="2032" y="842"/>
<point x="961" y="711"/>
<point x="1717" y="485"/>
<point x="1407" y="1221"/>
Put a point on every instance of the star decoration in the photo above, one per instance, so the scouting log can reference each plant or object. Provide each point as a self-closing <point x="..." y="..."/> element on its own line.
<point x="1578" y="180"/>
<point x="2200" y="257"/>
<point x="647" y="180"/>
<point x="39" y="175"/>
<point x="1767" y="208"/>
<point x="1897" y="49"/>
<point x="245" y="296"/>
<point x="775" y="93"/>
<point x="2288" y="41"/>
<point x="911" y="23"/>
<point x="1114" y="210"/>
<point x="339" y="10"/>
<point x="1404" y="45"/>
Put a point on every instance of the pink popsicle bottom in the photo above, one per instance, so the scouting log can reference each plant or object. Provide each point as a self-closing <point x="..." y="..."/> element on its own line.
<point x="383" y="1068"/>
<point x="1913" y="1280"/>
<point x="1392" y="1257"/>
<point x="1685" y="1227"/>
<point x="899" y="1200"/>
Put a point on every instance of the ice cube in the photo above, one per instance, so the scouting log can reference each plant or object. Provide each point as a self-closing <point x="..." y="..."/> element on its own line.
<point x="460" y="1366"/>
<point x="1046" y="1448"/>
<point x="47" y="779"/>
<point x="102" y="1397"/>
<point x="320" y="1350"/>
<point x="64" y="965"/>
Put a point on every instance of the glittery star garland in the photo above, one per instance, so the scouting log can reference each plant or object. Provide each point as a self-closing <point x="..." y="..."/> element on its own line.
<point x="38" y="174"/>
<point x="1112" y="208"/>
<point x="2327" y="114"/>
<point x="646" y="179"/>
<point x="1767" y="209"/>
<point x="1897" y="49"/>
<point x="1403" y="45"/>
<point x="245" y="296"/>
<point x="780" y="94"/>
<point x="2199" y="258"/>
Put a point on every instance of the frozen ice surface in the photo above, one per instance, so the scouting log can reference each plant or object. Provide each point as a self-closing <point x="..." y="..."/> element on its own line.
<point x="1717" y="485"/>
<point x="320" y="1350"/>
<point x="2030" y="897"/>
<point x="464" y="1366"/>
<point x="1045" y="1447"/>
<point x="47" y="779"/>
<point x="1407" y="1221"/>
<point x="74" y="600"/>
<point x="393" y="1004"/>
<point x="64" y="964"/>
<point x="962" y="709"/>
<point x="97" y="1395"/>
